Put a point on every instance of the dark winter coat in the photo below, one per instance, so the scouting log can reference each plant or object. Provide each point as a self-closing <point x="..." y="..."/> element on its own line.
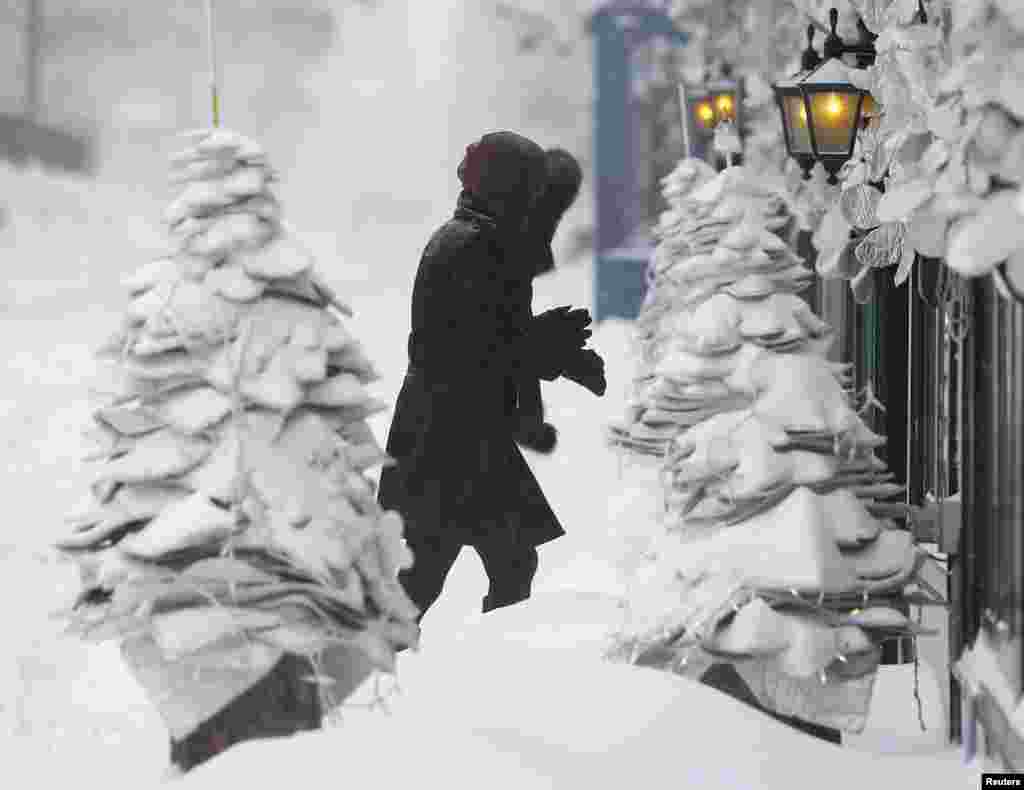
<point x="459" y="473"/>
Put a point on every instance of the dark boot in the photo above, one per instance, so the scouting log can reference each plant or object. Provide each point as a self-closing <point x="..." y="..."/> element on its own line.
<point x="510" y="570"/>
<point x="432" y="560"/>
<point x="491" y="602"/>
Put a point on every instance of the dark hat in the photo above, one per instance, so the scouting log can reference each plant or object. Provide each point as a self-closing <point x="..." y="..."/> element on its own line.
<point x="504" y="170"/>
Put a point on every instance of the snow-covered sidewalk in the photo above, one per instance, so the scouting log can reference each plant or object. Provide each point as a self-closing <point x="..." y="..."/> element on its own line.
<point x="483" y="710"/>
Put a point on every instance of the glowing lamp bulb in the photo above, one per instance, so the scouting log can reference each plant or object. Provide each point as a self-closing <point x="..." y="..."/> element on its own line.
<point x="725" y="104"/>
<point x="705" y="112"/>
<point x="833" y="105"/>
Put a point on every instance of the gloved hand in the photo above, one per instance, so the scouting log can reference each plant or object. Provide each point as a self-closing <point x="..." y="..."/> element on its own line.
<point x="554" y="337"/>
<point x="564" y="326"/>
<point x="533" y="434"/>
<point x="586" y="368"/>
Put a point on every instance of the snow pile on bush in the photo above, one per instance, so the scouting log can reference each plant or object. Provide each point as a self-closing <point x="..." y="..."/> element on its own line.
<point x="703" y="251"/>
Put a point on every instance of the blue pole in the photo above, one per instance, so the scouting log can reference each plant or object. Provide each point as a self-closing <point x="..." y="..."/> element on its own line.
<point x="615" y="176"/>
<point x="618" y="281"/>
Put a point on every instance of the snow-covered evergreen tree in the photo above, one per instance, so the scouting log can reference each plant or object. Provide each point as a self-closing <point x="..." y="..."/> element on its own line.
<point x="230" y="521"/>
<point x="703" y="210"/>
<point x="780" y="554"/>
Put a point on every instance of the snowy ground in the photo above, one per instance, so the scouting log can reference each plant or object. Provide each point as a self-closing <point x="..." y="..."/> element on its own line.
<point x="520" y="693"/>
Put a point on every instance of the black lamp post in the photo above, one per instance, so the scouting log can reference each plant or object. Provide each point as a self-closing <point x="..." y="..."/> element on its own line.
<point x="821" y="111"/>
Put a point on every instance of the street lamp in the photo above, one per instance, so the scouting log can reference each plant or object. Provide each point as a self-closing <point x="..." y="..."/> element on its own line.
<point x="834" y="108"/>
<point x="821" y="110"/>
<point x="725" y="96"/>
<point x="702" y="110"/>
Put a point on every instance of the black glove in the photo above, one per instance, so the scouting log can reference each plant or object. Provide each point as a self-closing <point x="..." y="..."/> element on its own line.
<point x="586" y="368"/>
<point x="554" y="337"/>
<point x="576" y="322"/>
<point x="563" y="326"/>
<point x="541" y="437"/>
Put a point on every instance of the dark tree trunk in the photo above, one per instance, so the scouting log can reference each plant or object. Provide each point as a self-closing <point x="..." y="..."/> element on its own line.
<point x="725" y="678"/>
<point x="282" y="703"/>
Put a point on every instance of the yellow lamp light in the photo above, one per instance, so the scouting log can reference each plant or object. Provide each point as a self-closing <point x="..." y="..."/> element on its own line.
<point x="725" y="97"/>
<point x="706" y="114"/>
<point x="724" y="105"/>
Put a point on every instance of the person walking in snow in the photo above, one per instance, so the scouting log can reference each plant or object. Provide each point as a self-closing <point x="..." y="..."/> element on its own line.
<point x="564" y="178"/>
<point x="460" y="479"/>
